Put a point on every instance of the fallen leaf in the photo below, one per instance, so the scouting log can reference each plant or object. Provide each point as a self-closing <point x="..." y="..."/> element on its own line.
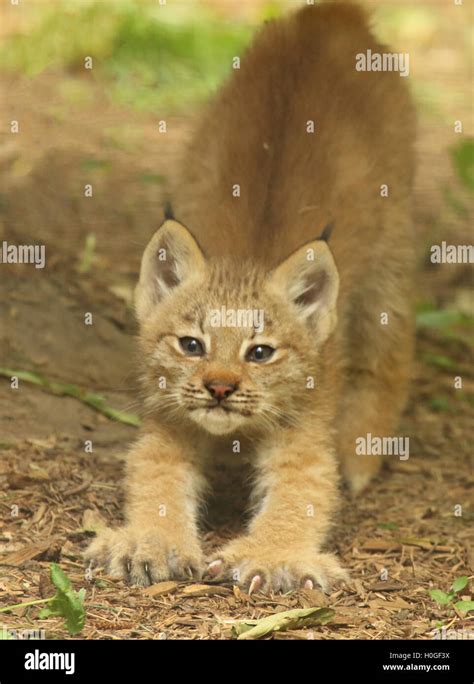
<point x="205" y="590"/>
<point x="38" y="514"/>
<point x="161" y="588"/>
<point x="48" y="443"/>
<point x="26" y="553"/>
<point x="295" y="635"/>
<point x="386" y="586"/>
<point x="241" y="595"/>
<point x="313" y="598"/>
<point x="284" y="621"/>
<point x="349" y="616"/>
<point x="23" y="480"/>
<point x="391" y="605"/>
<point x="427" y="544"/>
<point x="379" y="545"/>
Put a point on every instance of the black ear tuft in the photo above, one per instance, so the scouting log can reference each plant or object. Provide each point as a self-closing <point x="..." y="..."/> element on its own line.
<point x="169" y="213"/>
<point x="326" y="234"/>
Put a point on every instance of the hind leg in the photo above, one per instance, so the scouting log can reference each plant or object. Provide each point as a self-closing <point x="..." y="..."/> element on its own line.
<point x="376" y="387"/>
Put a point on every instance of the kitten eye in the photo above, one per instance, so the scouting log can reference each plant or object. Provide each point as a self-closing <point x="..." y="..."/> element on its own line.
<point x="191" y="346"/>
<point x="261" y="352"/>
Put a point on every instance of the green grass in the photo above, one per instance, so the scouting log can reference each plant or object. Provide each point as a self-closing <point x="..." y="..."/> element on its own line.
<point x="462" y="156"/>
<point x="147" y="59"/>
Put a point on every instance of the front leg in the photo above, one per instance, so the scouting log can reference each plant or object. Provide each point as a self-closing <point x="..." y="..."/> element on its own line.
<point x="296" y="495"/>
<point x="160" y="539"/>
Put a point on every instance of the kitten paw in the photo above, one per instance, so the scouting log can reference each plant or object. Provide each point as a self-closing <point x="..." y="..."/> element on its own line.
<point x="271" y="571"/>
<point x="144" y="557"/>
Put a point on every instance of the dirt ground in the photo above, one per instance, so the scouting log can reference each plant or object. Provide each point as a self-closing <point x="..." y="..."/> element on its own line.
<point x="53" y="492"/>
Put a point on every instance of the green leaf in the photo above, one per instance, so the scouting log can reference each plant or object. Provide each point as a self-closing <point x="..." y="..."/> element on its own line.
<point x="441" y="403"/>
<point x="67" y="603"/>
<point x="462" y="157"/>
<point x="92" y="163"/>
<point x="440" y="361"/>
<point x="441" y="318"/>
<point x="440" y="597"/>
<point x="88" y="254"/>
<point x="96" y="401"/>
<point x="459" y="583"/>
<point x="455" y="203"/>
<point x="242" y="627"/>
<point x="152" y="178"/>
<point x="465" y="606"/>
<point x="287" y="620"/>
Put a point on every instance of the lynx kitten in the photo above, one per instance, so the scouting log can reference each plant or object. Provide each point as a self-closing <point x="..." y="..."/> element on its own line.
<point x="267" y="349"/>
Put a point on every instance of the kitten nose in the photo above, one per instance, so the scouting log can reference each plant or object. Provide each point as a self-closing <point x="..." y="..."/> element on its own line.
<point x="220" y="390"/>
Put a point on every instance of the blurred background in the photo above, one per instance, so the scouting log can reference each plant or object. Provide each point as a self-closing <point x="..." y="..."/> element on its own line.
<point x="89" y="83"/>
<point x="149" y="62"/>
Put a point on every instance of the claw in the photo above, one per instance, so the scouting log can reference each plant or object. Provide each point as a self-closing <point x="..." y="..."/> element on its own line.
<point x="255" y="584"/>
<point x="89" y="570"/>
<point x="128" y="567"/>
<point x="146" y="568"/>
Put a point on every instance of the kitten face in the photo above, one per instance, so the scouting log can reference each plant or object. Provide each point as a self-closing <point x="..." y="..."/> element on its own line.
<point x="221" y="372"/>
<point x="226" y="346"/>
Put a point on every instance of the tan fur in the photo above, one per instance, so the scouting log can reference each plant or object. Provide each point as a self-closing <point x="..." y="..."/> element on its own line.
<point x="322" y="315"/>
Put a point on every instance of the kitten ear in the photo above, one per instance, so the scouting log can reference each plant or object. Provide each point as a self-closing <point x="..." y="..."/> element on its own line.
<point x="171" y="257"/>
<point x="309" y="281"/>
